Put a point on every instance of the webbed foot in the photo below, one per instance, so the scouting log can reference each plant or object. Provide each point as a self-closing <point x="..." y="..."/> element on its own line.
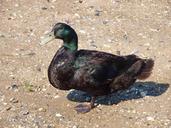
<point x="83" y="108"/>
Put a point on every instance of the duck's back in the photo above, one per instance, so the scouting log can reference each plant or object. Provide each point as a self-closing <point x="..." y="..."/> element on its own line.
<point x="91" y="57"/>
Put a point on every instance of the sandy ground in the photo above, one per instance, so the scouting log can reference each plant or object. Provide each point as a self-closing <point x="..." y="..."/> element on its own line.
<point x="27" y="100"/>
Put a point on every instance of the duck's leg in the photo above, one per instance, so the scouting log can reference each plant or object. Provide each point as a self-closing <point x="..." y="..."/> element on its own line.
<point x="84" y="108"/>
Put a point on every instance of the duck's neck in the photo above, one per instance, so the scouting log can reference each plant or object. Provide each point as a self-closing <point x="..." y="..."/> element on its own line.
<point x="71" y="43"/>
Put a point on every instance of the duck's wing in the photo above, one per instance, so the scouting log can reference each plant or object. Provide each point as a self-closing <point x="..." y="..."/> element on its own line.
<point x="94" y="68"/>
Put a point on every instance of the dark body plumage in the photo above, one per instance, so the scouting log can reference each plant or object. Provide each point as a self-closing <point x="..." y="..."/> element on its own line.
<point x="97" y="73"/>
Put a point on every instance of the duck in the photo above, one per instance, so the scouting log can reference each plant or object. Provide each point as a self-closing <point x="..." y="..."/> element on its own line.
<point x="97" y="73"/>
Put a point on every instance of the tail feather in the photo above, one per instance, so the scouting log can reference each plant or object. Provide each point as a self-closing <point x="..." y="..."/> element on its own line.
<point x="146" y="69"/>
<point x="141" y="69"/>
<point x="126" y="79"/>
<point x="135" y="68"/>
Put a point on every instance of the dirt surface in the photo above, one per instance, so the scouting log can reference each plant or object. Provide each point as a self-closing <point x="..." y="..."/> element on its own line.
<point x="27" y="100"/>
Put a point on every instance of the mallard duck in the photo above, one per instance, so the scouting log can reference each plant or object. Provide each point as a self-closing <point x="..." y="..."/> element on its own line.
<point x="95" y="72"/>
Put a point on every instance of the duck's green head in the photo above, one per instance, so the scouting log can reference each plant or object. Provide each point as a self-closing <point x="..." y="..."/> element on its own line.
<point x="64" y="32"/>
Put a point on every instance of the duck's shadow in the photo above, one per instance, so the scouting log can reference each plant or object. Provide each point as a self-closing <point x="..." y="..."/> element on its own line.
<point x="138" y="90"/>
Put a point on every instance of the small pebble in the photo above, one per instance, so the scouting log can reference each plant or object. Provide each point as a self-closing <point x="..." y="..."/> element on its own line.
<point x="8" y="108"/>
<point x="77" y="15"/>
<point x="149" y="118"/>
<point x="75" y="126"/>
<point x="80" y="1"/>
<point x="13" y="100"/>
<point x="57" y="96"/>
<point x="5" y="103"/>
<point x="147" y="44"/>
<point x="38" y="68"/>
<point x="24" y="112"/>
<point x="125" y="36"/>
<point x="130" y="118"/>
<point x="42" y="109"/>
<point x="105" y="22"/>
<point x="82" y="31"/>
<point x="50" y="126"/>
<point x="44" y="89"/>
<point x="13" y="87"/>
<point x="97" y="13"/>
<point x="58" y="115"/>
<point x="44" y="8"/>
<point x="2" y="36"/>
<point x="109" y="40"/>
<point x="16" y="5"/>
<point x="92" y="28"/>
